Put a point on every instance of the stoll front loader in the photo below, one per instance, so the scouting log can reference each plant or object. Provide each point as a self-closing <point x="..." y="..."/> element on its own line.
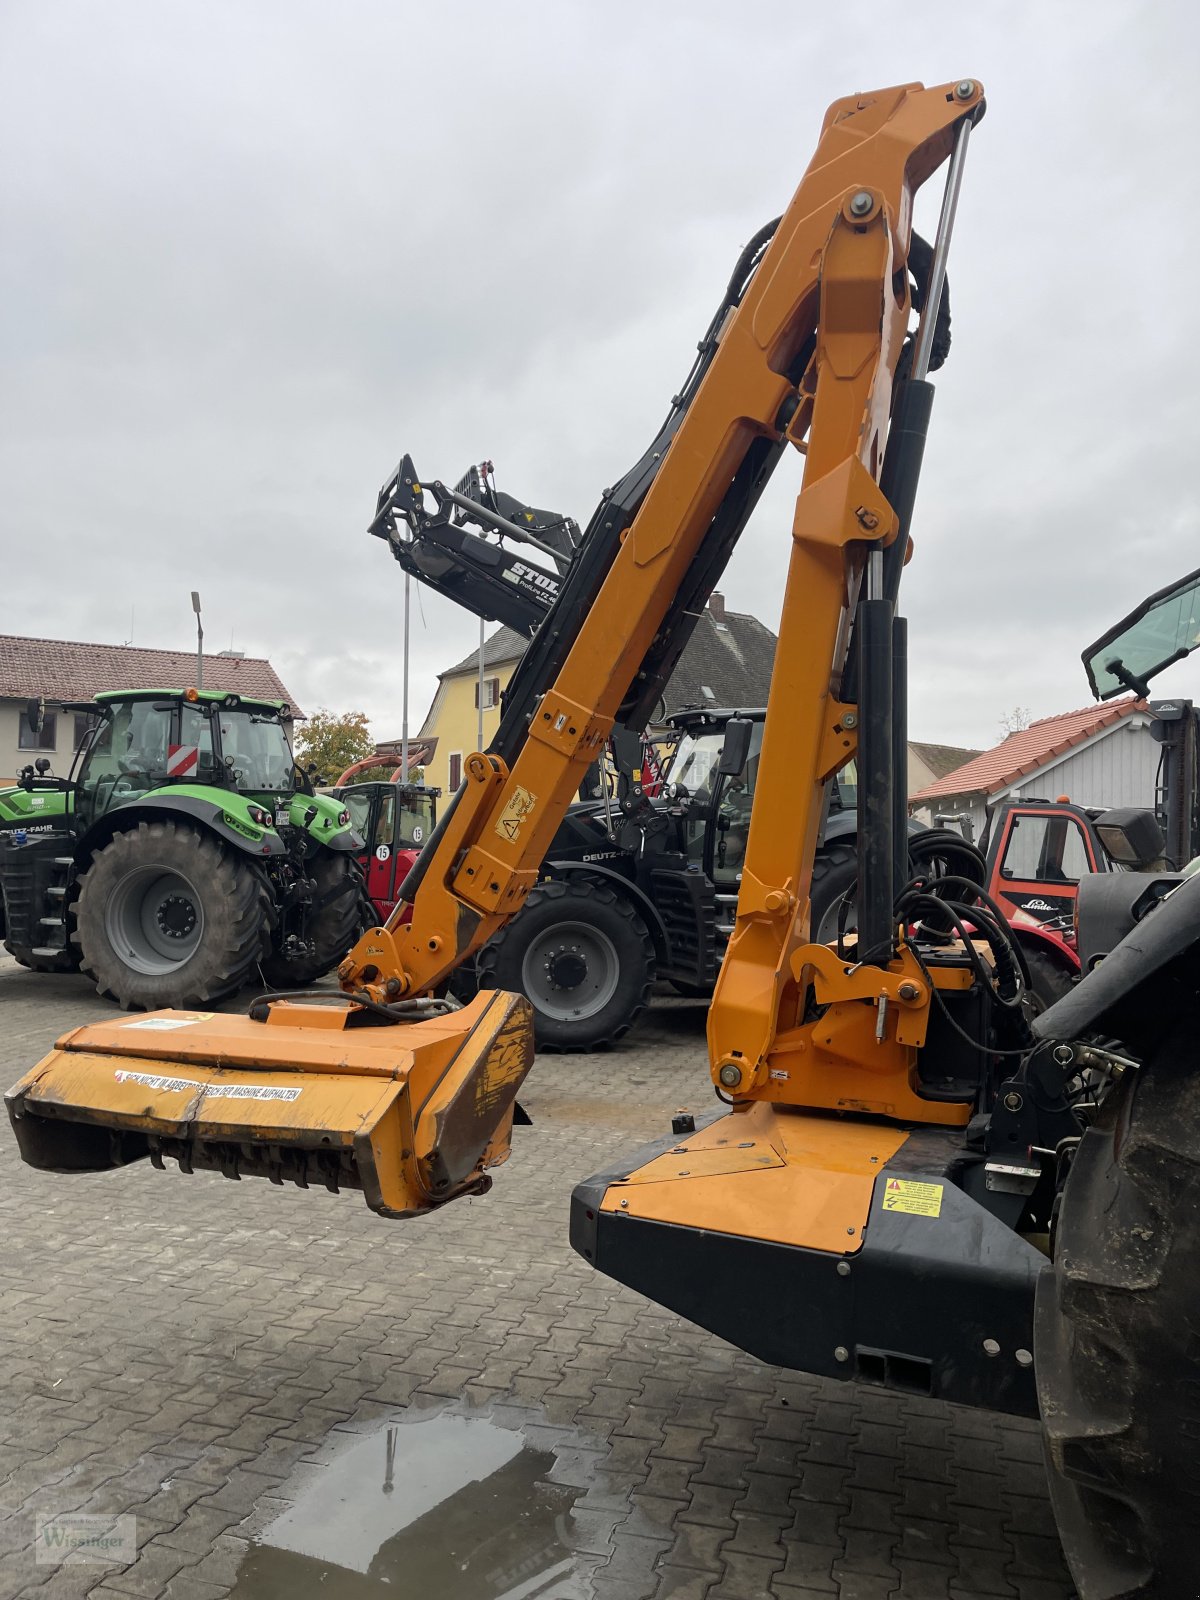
<point x="902" y="1185"/>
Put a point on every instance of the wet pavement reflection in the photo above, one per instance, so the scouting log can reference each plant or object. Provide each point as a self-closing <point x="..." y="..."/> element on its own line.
<point x="446" y="1505"/>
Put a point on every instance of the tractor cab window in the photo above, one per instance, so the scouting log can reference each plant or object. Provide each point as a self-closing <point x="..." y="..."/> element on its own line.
<point x="385" y="821"/>
<point x="196" y="743"/>
<point x="254" y="749"/>
<point x="732" y="821"/>
<point x="1044" y="848"/>
<point x="694" y="764"/>
<point x="359" y="806"/>
<point x="128" y="756"/>
<point x="844" y="794"/>
<point x="414" y="828"/>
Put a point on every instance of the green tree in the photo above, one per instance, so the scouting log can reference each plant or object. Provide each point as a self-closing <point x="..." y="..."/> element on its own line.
<point x="332" y="743"/>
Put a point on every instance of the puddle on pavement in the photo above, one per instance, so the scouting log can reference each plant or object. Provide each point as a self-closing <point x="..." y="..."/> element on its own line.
<point x="442" y="1507"/>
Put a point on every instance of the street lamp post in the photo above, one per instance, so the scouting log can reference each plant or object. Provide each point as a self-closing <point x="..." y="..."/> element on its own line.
<point x="199" y="640"/>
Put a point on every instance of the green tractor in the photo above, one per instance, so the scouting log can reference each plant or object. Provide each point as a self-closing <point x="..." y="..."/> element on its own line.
<point x="185" y="855"/>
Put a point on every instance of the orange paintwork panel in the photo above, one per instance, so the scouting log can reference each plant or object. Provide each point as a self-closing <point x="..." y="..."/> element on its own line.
<point x="764" y="1173"/>
<point x="206" y="1102"/>
<point x="282" y="1044"/>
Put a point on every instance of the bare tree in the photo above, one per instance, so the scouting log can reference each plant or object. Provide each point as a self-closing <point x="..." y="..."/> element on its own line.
<point x="1016" y="720"/>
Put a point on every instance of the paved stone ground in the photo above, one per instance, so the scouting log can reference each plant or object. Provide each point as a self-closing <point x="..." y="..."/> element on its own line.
<point x="174" y="1347"/>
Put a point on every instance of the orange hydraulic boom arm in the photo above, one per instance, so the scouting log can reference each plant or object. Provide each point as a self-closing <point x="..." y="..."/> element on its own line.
<point x="833" y="283"/>
<point x="392" y="1091"/>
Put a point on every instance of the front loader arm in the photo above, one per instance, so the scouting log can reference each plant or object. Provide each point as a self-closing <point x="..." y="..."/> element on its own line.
<point x="811" y="349"/>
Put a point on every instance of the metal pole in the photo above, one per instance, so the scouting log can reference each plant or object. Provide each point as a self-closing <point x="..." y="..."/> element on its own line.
<point x="404" y="690"/>
<point x="941" y="247"/>
<point x="479" y="734"/>
<point x="899" y="755"/>
<point x="199" y="640"/>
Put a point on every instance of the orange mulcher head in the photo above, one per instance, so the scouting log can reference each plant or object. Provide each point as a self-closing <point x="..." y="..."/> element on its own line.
<point x="411" y="1113"/>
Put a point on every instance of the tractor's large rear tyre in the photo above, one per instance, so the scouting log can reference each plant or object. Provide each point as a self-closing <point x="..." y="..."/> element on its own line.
<point x="170" y="917"/>
<point x="1117" y="1339"/>
<point x="60" y="961"/>
<point x="582" y="955"/>
<point x="334" y="925"/>
<point x="835" y="875"/>
<point x="1049" y="979"/>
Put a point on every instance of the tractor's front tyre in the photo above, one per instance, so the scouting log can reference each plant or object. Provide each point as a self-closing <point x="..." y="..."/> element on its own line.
<point x="169" y="917"/>
<point x="1117" y="1339"/>
<point x="583" y="957"/>
<point x="334" y="924"/>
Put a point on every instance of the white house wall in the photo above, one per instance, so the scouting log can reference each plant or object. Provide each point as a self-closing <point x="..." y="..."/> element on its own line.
<point x="1118" y="768"/>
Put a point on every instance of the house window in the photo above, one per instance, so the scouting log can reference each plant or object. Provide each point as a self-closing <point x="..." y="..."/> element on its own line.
<point x="84" y="723"/>
<point x="455" y="770"/>
<point x="491" y="693"/>
<point x="43" y="738"/>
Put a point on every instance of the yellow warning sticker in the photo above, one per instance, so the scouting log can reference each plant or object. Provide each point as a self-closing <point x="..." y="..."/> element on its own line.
<point x="520" y="803"/>
<point x="919" y="1199"/>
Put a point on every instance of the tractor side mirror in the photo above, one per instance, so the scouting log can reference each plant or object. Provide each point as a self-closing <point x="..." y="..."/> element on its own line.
<point x="735" y="752"/>
<point x="35" y="715"/>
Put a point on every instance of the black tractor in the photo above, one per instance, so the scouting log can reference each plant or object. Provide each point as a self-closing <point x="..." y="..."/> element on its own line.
<point x="645" y="887"/>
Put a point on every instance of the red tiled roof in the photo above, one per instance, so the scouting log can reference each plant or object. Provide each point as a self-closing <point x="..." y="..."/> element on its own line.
<point x="65" y="669"/>
<point x="1030" y="749"/>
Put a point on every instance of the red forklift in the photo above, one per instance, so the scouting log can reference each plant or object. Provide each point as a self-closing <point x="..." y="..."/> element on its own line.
<point x="1038" y="850"/>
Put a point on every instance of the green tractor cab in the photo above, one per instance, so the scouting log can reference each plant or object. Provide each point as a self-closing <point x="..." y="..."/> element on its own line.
<point x="184" y="854"/>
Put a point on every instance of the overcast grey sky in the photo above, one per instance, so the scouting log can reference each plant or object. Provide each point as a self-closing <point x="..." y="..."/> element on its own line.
<point x="254" y="250"/>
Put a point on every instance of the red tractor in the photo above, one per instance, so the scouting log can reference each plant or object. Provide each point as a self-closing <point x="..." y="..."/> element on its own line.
<point x="395" y="819"/>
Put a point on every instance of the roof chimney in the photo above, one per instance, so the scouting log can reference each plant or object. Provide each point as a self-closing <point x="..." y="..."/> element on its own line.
<point x="716" y="606"/>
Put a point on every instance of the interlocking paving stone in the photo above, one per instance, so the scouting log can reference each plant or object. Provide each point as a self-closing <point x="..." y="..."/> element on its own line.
<point x="181" y="1347"/>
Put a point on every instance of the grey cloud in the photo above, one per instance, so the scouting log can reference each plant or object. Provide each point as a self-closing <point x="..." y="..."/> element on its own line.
<point x="256" y="250"/>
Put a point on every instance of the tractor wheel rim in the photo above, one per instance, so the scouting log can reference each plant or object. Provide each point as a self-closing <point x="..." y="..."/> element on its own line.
<point x="826" y="930"/>
<point x="571" y="971"/>
<point x="154" y="920"/>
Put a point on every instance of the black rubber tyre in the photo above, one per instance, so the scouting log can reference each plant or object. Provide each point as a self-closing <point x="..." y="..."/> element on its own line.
<point x="168" y="916"/>
<point x="690" y="991"/>
<point x="334" y="929"/>
<point x="1049" y="979"/>
<point x="835" y="871"/>
<point x="1116" y="1343"/>
<point x="582" y="955"/>
<point x="63" y="961"/>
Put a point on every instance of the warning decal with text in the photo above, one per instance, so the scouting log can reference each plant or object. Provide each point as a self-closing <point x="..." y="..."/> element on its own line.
<point x="520" y="803"/>
<point x="918" y="1199"/>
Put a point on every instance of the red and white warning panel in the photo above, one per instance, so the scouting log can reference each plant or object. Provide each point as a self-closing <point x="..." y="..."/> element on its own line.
<point x="182" y="760"/>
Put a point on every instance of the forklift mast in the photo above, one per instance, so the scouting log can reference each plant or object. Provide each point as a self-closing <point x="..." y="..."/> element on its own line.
<point x="1175" y="798"/>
